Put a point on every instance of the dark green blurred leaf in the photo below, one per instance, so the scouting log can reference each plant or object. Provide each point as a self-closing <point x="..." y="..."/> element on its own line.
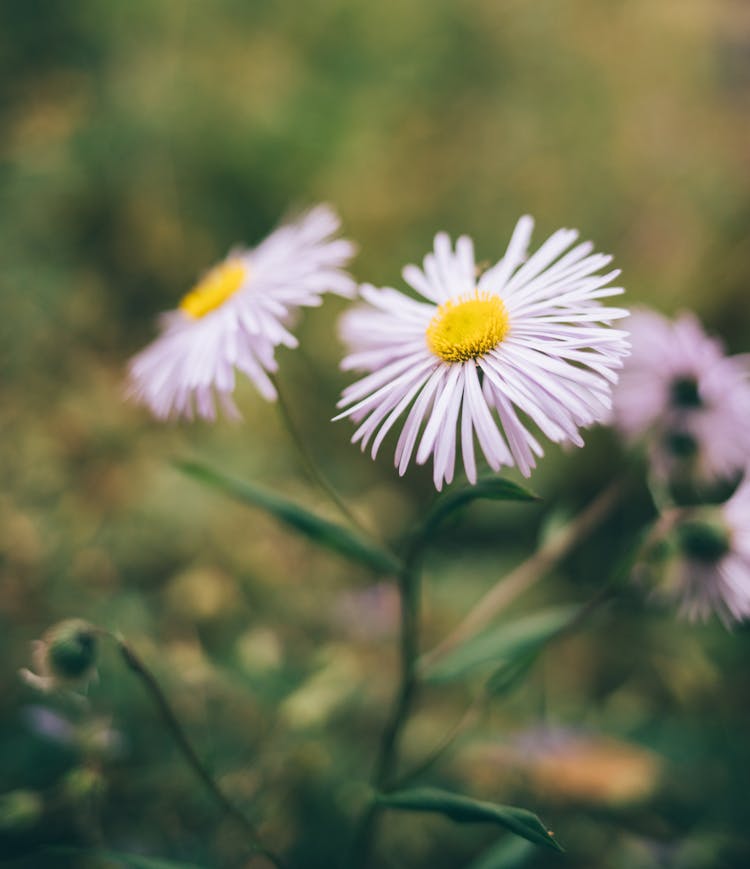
<point x="320" y="531"/>
<point x="465" y="810"/>
<point x="505" y="854"/>
<point x="137" y="861"/>
<point x="504" y="643"/>
<point x="486" y="488"/>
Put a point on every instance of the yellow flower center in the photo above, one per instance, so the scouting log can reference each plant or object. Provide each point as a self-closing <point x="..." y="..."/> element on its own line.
<point x="468" y="327"/>
<point x="220" y="284"/>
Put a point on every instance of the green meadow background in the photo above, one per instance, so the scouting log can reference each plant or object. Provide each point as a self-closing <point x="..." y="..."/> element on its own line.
<point x="139" y="141"/>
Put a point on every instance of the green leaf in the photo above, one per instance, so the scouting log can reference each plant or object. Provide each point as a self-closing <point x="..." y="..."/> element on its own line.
<point x="486" y="488"/>
<point x="505" y="854"/>
<point x="327" y="534"/>
<point x="465" y="810"/>
<point x="504" y="643"/>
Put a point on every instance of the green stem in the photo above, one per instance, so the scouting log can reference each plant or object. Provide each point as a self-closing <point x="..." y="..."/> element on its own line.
<point x="136" y="665"/>
<point x="473" y="712"/>
<point x="528" y="573"/>
<point x="388" y="752"/>
<point x="309" y="463"/>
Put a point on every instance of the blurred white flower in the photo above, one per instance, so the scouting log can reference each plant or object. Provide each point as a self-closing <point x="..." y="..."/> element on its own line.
<point x="236" y="316"/>
<point x="528" y="336"/>
<point x="681" y="391"/>
<point x="711" y="573"/>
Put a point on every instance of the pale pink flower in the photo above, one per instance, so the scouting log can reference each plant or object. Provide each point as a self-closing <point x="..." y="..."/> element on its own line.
<point x="528" y="336"/>
<point x="690" y="400"/>
<point x="711" y="574"/>
<point x="237" y="315"/>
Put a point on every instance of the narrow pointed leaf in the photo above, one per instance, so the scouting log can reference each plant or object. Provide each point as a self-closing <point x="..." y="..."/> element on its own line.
<point x="321" y="531"/>
<point x="504" y="643"/>
<point x="486" y="488"/>
<point x="465" y="810"/>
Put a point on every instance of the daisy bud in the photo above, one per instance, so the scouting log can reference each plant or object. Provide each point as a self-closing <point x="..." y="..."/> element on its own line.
<point x="680" y="444"/>
<point x="65" y="657"/>
<point x="704" y="541"/>
<point x="707" y="567"/>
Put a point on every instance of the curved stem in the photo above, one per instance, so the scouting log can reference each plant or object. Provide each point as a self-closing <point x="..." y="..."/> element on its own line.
<point x="473" y="711"/>
<point x="528" y="573"/>
<point x="136" y="665"/>
<point x="387" y="758"/>
<point x="309" y="463"/>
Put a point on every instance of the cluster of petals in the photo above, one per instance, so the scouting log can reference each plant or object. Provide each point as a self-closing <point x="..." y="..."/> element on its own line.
<point x="721" y="586"/>
<point x="678" y="384"/>
<point x="554" y="364"/>
<point x="193" y="362"/>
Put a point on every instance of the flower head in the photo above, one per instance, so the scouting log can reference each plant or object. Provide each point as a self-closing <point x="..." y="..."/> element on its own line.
<point x="711" y="570"/>
<point x="528" y="336"/>
<point x="65" y="657"/>
<point x="236" y="316"/>
<point x="681" y="391"/>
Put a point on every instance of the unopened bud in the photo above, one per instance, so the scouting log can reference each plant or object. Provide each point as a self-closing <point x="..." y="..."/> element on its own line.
<point x="680" y="444"/>
<point x="71" y="649"/>
<point x="64" y="657"/>
<point x="703" y="540"/>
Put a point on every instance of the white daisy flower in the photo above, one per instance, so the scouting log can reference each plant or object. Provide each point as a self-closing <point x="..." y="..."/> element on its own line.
<point x="679" y="389"/>
<point x="712" y="570"/>
<point x="528" y="336"/>
<point x="236" y="316"/>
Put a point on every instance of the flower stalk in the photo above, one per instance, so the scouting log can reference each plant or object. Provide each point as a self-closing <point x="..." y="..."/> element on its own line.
<point x="136" y="665"/>
<point x="383" y="777"/>
<point x="309" y="462"/>
<point x="527" y="574"/>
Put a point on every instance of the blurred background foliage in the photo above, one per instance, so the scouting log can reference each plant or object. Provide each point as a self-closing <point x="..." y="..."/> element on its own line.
<point x="140" y="141"/>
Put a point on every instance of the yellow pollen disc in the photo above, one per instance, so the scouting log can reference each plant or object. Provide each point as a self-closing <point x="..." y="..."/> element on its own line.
<point x="217" y="286"/>
<point x="468" y="327"/>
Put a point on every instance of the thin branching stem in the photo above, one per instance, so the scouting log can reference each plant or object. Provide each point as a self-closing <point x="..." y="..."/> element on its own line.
<point x="383" y="777"/>
<point x="474" y="710"/>
<point x="136" y="665"/>
<point x="528" y="573"/>
<point x="310" y="464"/>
